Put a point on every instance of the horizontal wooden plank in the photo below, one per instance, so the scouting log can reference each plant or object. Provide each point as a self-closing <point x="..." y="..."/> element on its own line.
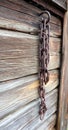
<point x="16" y="68"/>
<point x="14" y="19"/>
<point x="22" y="6"/>
<point x="21" y="122"/>
<point x="19" y="57"/>
<point x="28" y="115"/>
<point x="25" y="7"/>
<point x="49" y="6"/>
<point x="29" y="80"/>
<point x="48" y="124"/>
<point x="15" y="44"/>
<point x="23" y="27"/>
<point x="36" y="122"/>
<point x="19" y="54"/>
<point x="22" y="93"/>
<point x="61" y="3"/>
<point x="26" y="28"/>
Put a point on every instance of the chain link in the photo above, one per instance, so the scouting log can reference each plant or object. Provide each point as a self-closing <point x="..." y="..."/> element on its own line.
<point x="43" y="62"/>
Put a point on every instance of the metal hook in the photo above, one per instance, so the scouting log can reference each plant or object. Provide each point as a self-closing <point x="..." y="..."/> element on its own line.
<point x="47" y="12"/>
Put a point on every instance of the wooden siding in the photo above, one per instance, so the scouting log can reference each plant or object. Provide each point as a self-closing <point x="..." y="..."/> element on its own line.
<point x="19" y="99"/>
<point x="63" y="108"/>
<point x="61" y="3"/>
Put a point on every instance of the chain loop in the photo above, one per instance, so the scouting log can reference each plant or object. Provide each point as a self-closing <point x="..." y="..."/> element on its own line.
<point x="43" y="61"/>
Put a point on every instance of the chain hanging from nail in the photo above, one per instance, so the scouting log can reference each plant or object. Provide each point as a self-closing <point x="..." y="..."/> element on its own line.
<point x="43" y="60"/>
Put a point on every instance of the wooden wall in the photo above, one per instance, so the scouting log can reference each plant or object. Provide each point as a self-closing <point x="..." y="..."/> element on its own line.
<point x="19" y="99"/>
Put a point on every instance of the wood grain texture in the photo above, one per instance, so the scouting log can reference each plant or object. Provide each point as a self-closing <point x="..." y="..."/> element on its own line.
<point x="16" y="44"/>
<point x="22" y="92"/>
<point x="61" y="3"/>
<point x="33" y="124"/>
<point x="28" y="117"/>
<point x="27" y="28"/>
<point x="21" y="17"/>
<point x="64" y="78"/>
<point x="19" y="40"/>
<point x="19" y="54"/>
<point x="25" y="123"/>
<point x="48" y="124"/>
<point x="26" y="8"/>
<point x="16" y="68"/>
<point x="12" y="84"/>
<point x="49" y="6"/>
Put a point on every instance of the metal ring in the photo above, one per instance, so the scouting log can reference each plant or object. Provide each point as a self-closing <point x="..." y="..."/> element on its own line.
<point x="47" y="12"/>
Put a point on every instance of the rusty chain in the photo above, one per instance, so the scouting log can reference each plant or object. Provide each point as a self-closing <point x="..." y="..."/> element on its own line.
<point x="43" y="60"/>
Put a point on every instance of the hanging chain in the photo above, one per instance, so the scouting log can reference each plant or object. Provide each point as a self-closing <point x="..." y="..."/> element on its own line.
<point x="43" y="61"/>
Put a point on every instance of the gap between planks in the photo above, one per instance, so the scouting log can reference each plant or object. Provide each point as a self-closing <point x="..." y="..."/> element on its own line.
<point x="13" y="50"/>
<point x="25" y="28"/>
<point x="32" y="110"/>
<point x="28" y="9"/>
<point x="22" y="95"/>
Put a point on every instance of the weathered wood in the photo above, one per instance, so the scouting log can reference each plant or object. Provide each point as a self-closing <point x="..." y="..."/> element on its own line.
<point x="47" y="5"/>
<point x="48" y="124"/>
<point x="19" y="99"/>
<point x="21" y="92"/>
<point x="61" y="3"/>
<point x="28" y="80"/>
<point x="16" y="68"/>
<point x="26" y="28"/>
<point x="33" y="124"/>
<point x="24" y="19"/>
<point x="25" y="96"/>
<point x="64" y="78"/>
<point x="24" y="7"/>
<point x="15" y="44"/>
<point x="26" y="120"/>
<point x="19" y="59"/>
<point x="29" y="113"/>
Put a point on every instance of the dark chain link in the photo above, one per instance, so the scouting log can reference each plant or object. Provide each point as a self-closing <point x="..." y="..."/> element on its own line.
<point x="43" y="63"/>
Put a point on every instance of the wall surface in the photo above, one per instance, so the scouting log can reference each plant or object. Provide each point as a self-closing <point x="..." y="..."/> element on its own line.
<point x="19" y="99"/>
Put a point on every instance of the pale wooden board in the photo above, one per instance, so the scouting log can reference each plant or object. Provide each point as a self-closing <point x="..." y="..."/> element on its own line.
<point x="28" y="115"/>
<point x="16" y="44"/>
<point x="48" y="124"/>
<point x="33" y="124"/>
<point x="17" y="93"/>
<point x="16" y="68"/>
<point x="23" y="123"/>
<point x="26" y="28"/>
<point x="19" y="54"/>
<point x="29" y="81"/>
